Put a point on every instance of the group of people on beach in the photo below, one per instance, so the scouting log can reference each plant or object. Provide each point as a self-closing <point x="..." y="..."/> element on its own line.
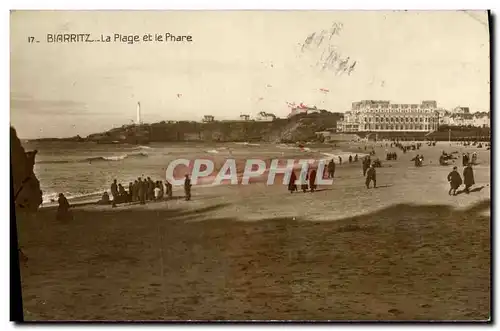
<point x="140" y="190"/>
<point x="143" y="190"/>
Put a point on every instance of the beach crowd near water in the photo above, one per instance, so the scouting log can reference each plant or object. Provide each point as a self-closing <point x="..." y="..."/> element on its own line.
<point x="144" y="190"/>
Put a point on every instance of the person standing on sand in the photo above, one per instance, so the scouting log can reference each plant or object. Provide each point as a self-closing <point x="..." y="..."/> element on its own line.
<point x="122" y="193"/>
<point x="157" y="191"/>
<point x="371" y="174"/>
<point x="468" y="177"/>
<point x="114" y="190"/>
<point x="312" y="180"/>
<point x="331" y="169"/>
<point x="350" y="158"/>
<point x="187" y="188"/>
<point x="162" y="189"/>
<point x="150" y="191"/>
<point x="455" y="181"/>
<point x="135" y="191"/>
<point x="356" y="158"/>
<point x="130" y="191"/>
<point x="340" y="160"/>
<point x="291" y="184"/>
<point x="63" y="213"/>
<point x="169" y="189"/>
<point x="141" y="191"/>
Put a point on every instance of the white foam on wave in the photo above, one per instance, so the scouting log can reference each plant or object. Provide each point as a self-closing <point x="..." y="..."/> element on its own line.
<point x="213" y="151"/>
<point x="52" y="197"/>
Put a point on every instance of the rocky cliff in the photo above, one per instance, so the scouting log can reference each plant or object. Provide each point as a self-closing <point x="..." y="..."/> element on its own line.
<point x="301" y="127"/>
<point x="27" y="194"/>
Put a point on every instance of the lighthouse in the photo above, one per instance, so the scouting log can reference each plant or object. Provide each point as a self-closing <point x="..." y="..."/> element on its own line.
<point x="139" y="121"/>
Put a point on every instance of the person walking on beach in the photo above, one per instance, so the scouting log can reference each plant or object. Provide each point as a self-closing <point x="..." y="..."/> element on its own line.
<point x="187" y="188"/>
<point x="114" y="190"/>
<point x="468" y="177"/>
<point x="455" y="181"/>
<point x="340" y="160"/>
<point x="356" y="158"/>
<point x="63" y="213"/>
<point x="350" y="158"/>
<point x="371" y="174"/>
<point x="312" y="180"/>
<point x="366" y="164"/>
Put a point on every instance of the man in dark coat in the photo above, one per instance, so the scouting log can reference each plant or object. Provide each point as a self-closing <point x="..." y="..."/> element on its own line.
<point x="141" y="190"/>
<point x="468" y="177"/>
<point x="114" y="191"/>
<point x="150" y="193"/>
<point x="371" y="174"/>
<point x="455" y="181"/>
<point x="291" y="184"/>
<point x="331" y="169"/>
<point x="187" y="187"/>
<point x="312" y="180"/>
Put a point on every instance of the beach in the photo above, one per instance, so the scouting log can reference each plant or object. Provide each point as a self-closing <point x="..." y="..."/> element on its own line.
<point x="403" y="251"/>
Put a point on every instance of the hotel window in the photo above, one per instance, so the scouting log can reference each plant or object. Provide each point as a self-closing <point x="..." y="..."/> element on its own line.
<point x="421" y="119"/>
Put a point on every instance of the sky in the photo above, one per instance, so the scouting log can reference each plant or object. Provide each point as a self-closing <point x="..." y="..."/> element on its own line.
<point x="237" y="63"/>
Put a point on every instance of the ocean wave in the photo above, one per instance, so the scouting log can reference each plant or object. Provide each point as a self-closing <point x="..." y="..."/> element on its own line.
<point x="96" y="159"/>
<point x="52" y="197"/>
<point x="213" y="151"/>
<point x="142" y="147"/>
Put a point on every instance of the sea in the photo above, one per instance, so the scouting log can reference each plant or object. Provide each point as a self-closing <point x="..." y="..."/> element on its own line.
<point x="84" y="171"/>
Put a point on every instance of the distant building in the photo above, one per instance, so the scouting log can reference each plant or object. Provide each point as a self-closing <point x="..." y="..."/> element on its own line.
<point x="244" y="117"/>
<point x="208" y="119"/>
<point x="303" y="109"/>
<point x="461" y="110"/>
<point x="375" y="115"/>
<point x="265" y="117"/>
<point x="461" y="116"/>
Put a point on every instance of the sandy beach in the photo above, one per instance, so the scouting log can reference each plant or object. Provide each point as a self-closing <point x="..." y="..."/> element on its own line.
<point x="406" y="250"/>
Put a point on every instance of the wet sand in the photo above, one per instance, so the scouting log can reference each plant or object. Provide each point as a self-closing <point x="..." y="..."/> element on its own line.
<point x="406" y="250"/>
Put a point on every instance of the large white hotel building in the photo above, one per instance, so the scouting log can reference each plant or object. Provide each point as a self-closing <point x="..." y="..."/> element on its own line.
<point x="382" y="116"/>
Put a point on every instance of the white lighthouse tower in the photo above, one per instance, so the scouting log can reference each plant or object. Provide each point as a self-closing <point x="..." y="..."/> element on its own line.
<point x="139" y="121"/>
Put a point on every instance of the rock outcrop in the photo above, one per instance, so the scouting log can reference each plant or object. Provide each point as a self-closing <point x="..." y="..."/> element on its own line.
<point x="27" y="193"/>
